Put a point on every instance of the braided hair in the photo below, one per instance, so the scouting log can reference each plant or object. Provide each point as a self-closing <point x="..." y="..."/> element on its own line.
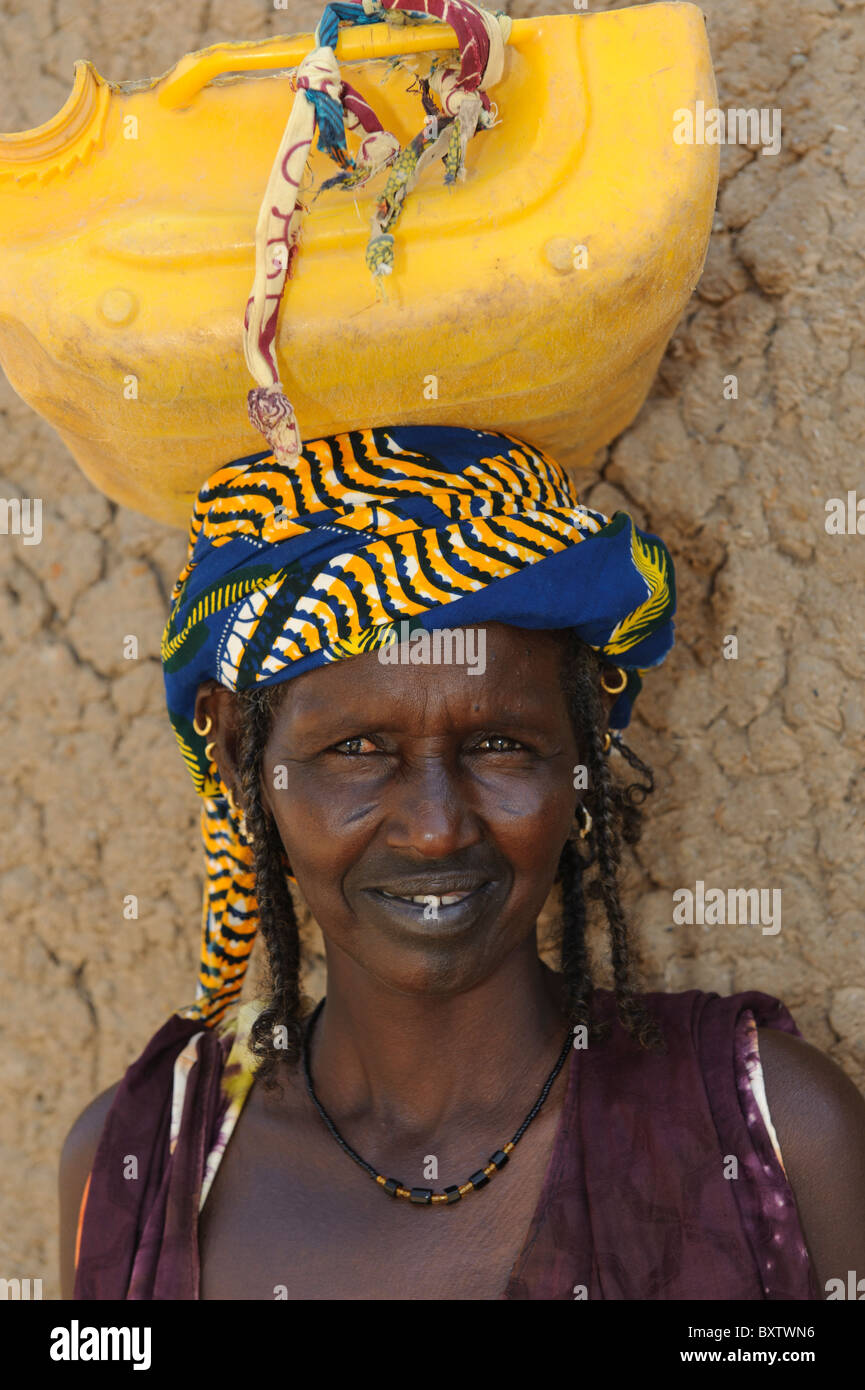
<point x="616" y="814"/>
<point x="277" y="1034"/>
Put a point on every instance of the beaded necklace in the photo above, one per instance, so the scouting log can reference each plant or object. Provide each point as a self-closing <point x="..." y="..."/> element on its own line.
<point x="425" y="1196"/>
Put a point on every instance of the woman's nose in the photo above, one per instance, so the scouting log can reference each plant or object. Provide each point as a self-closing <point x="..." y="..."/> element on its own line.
<point x="429" y="811"/>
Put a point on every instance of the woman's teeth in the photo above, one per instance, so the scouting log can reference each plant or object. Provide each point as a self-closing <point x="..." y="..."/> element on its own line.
<point x="430" y="899"/>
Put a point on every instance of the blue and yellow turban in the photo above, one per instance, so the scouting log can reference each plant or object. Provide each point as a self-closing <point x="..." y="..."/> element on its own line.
<point x="291" y="566"/>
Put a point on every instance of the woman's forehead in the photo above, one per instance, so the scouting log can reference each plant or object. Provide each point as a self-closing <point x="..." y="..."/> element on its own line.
<point x="494" y="668"/>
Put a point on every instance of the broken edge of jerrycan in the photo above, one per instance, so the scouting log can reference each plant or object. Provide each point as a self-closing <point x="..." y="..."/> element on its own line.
<point x="534" y="296"/>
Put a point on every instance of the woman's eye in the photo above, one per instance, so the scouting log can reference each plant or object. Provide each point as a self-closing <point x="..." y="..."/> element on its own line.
<point x="348" y="746"/>
<point x="497" y="740"/>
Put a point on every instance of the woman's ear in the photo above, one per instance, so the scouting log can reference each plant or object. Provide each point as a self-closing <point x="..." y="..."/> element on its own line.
<point x="214" y="702"/>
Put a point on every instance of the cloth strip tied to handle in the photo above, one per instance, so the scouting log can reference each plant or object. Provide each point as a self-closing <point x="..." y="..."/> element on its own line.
<point x="455" y="104"/>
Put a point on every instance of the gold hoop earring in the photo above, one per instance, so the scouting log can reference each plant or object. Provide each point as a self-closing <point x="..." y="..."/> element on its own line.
<point x="614" y="690"/>
<point x="202" y="733"/>
<point x="229" y="796"/>
<point x="606" y="745"/>
<point x="587" y="821"/>
<point x="207" y="747"/>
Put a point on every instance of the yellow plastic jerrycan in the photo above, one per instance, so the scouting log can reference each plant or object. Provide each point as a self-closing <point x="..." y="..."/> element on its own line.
<point x="534" y="295"/>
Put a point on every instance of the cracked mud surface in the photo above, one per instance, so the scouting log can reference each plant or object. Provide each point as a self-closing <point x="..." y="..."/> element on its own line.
<point x="758" y="761"/>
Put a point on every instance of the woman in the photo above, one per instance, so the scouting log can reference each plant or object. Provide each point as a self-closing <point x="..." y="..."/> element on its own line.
<point x="676" y="1146"/>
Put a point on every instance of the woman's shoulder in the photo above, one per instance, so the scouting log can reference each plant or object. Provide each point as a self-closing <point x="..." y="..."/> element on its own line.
<point x="697" y="1018"/>
<point x="87" y="1128"/>
<point x="819" y="1118"/>
<point x="814" y="1102"/>
<point x="751" y="1055"/>
<point x="802" y="1078"/>
<point x="144" y="1092"/>
<point x="760" y="1033"/>
<point x="171" y="1052"/>
<point x="160" y="1053"/>
<point x="76" y="1163"/>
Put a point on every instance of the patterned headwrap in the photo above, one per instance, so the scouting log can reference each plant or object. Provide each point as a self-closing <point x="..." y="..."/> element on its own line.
<point x="293" y="567"/>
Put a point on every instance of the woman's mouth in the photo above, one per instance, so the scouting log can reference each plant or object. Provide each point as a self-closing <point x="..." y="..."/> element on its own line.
<point x="429" y="899"/>
<point x="444" y="910"/>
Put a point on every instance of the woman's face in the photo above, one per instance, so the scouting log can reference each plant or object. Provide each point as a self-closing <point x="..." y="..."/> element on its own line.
<point x="393" y="782"/>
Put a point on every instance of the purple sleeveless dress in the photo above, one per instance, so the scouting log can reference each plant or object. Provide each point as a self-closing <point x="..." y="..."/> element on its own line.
<point x="664" y="1181"/>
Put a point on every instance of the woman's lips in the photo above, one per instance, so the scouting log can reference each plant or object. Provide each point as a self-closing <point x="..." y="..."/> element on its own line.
<point x="429" y="899"/>
<point x="425" y="914"/>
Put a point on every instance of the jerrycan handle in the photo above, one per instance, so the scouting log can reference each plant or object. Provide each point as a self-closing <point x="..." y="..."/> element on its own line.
<point x="186" y="79"/>
<point x="458" y="94"/>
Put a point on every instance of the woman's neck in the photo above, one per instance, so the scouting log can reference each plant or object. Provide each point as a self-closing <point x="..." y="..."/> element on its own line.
<point x="417" y="1064"/>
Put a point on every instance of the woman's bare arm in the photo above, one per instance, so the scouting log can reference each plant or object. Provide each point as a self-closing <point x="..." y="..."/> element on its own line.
<point x="76" y="1160"/>
<point x="819" y="1118"/>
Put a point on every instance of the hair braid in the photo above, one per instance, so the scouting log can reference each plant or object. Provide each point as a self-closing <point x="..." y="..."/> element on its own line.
<point x="615" y="816"/>
<point x="277" y="917"/>
<point x="574" y="948"/>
